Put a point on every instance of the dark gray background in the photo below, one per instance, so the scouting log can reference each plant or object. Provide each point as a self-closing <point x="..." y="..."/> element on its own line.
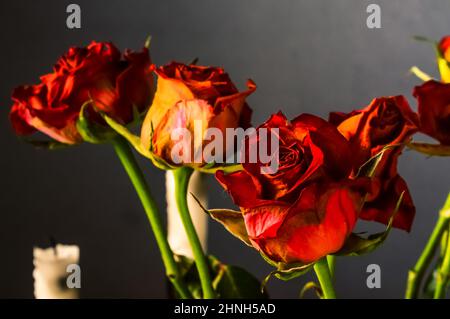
<point x="305" y="56"/>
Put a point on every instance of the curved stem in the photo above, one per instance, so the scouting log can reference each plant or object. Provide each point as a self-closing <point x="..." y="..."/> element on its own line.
<point x="443" y="275"/>
<point x="415" y="275"/>
<point x="182" y="176"/>
<point x="323" y="275"/>
<point x="130" y="165"/>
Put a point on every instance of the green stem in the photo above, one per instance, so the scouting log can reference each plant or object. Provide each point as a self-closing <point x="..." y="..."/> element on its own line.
<point x="444" y="238"/>
<point x="182" y="176"/>
<point x="331" y="259"/>
<point x="128" y="161"/>
<point x="443" y="274"/>
<point x="323" y="275"/>
<point x="415" y="275"/>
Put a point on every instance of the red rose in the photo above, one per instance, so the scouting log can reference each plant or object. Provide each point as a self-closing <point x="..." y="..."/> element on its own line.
<point x="189" y="93"/>
<point x="443" y="58"/>
<point x="434" y="110"/>
<point x="387" y="121"/>
<point x="99" y="72"/>
<point x="307" y="208"/>
<point x="444" y="46"/>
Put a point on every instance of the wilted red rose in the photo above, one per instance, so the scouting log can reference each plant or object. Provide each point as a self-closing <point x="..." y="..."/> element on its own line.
<point x="116" y="84"/>
<point x="434" y="110"/>
<point x="189" y="93"/>
<point x="387" y="121"/>
<point x="307" y="208"/>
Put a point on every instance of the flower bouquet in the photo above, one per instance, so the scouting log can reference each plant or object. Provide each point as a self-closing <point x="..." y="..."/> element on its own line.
<point x="300" y="185"/>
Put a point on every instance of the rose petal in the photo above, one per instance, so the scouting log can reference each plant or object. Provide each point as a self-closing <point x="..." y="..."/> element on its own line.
<point x="434" y="110"/>
<point x="381" y="208"/>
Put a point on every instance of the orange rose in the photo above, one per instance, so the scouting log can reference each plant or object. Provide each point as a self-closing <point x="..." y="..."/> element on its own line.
<point x="190" y="95"/>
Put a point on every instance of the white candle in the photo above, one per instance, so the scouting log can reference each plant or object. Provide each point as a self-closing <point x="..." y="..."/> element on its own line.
<point x="177" y="238"/>
<point x="52" y="267"/>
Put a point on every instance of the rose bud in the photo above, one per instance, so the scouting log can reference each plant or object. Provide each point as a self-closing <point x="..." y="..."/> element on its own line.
<point x="443" y="58"/>
<point x="117" y="85"/>
<point x="443" y="47"/>
<point x="307" y="208"/>
<point x="192" y="99"/>
<point x="434" y="110"/>
<point x="387" y="121"/>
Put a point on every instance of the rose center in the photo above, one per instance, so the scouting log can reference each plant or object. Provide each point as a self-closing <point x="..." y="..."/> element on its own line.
<point x="386" y="125"/>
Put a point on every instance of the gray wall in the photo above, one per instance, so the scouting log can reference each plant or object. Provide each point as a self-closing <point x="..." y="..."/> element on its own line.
<point x="305" y="56"/>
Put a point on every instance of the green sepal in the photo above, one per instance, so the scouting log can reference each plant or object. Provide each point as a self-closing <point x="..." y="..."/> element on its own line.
<point x="420" y="74"/>
<point x="443" y="65"/>
<point x="212" y="168"/>
<point x="311" y="285"/>
<point x="284" y="271"/>
<point x="147" y="42"/>
<point x="421" y="38"/>
<point x="135" y="141"/>
<point x="357" y="245"/>
<point x="369" y="168"/>
<point x="46" y="145"/>
<point x="232" y="220"/>
<point x="430" y="149"/>
<point x="92" y="132"/>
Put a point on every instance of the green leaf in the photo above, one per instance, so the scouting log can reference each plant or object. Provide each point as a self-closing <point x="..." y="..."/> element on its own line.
<point x="229" y="282"/>
<point x="430" y="149"/>
<point x="232" y="282"/>
<point x="430" y="284"/>
<point x="356" y="245"/>
<point x="91" y="132"/>
<point x="189" y="274"/>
